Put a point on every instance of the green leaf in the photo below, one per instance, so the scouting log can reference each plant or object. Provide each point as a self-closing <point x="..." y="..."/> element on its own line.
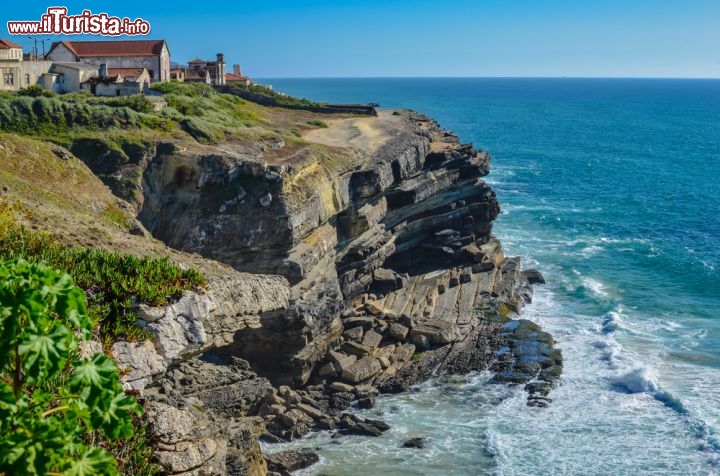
<point x="92" y="461"/>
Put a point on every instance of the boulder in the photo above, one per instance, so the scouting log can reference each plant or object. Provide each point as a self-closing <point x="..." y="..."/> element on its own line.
<point x="375" y="308"/>
<point x="415" y="443"/>
<point x="437" y="332"/>
<point x="362" y="370"/>
<point x="358" y="350"/>
<point x="372" y="339"/>
<point x="139" y="363"/>
<point x="533" y="276"/>
<point x="340" y="361"/>
<point x="290" y="460"/>
<point x="341" y="387"/>
<point x="398" y="331"/>
<point x="366" y="322"/>
<point x="328" y="370"/>
<point x="355" y="334"/>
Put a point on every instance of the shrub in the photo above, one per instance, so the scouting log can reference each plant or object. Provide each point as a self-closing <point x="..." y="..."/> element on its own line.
<point x="317" y="123"/>
<point x="35" y="91"/>
<point x="51" y="401"/>
<point x="114" y="283"/>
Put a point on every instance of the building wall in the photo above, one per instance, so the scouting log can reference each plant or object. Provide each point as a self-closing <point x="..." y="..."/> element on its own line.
<point x="9" y="76"/>
<point x="164" y="61"/>
<point x="62" y="54"/>
<point x="117" y="89"/>
<point x="12" y="54"/>
<point x="72" y="77"/>
<point x="152" y="63"/>
<point x="32" y="71"/>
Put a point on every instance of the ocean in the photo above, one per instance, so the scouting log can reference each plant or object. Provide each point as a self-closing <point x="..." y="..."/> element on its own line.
<point x="610" y="187"/>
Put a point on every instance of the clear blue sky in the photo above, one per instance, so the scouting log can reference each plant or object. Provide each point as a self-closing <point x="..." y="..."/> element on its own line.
<point x="312" y="38"/>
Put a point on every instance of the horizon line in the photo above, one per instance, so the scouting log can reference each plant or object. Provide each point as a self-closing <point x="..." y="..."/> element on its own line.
<point x="495" y="77"/>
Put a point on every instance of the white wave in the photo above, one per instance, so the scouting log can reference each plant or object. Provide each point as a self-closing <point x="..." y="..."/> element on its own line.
<point x="595" y="286"/>
<point x="612" y="322"/>
<point x="637" y="380"/>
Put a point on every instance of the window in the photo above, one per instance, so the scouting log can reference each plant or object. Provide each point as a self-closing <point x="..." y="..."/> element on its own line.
<point x="27" y="80"/>
<point x="9" y="80"/>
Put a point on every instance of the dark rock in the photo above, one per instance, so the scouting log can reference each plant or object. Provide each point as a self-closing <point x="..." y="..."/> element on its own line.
<point x="354" y="334"/>
<point x="415" y="443"/>
<point x="420" y="341"/>
<point x="533" y="276"/>
<point x="398" y="331"/>
<point x="367" y="402"/>
<point x="290" y="460"/>
<point x="341" y="400"/>
<point x="354" y="425"/>
<point x="366" y="322"/>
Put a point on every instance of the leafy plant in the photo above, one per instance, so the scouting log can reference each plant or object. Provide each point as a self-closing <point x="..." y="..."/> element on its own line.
<point x="114" y="283"/>
<point x="50" y="400"/>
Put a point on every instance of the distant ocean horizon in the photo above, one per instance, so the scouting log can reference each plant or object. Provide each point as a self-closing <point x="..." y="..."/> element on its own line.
<point x="609" y="187"/>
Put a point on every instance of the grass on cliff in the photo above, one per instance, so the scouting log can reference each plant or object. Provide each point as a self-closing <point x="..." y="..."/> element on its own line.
<point x="114" y="284"/>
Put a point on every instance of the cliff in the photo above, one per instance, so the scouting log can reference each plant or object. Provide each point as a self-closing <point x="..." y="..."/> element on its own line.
<point x="342" y="260"/>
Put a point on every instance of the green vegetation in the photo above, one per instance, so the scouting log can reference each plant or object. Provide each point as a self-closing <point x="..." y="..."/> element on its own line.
<point x="54" y="405"/>
<point x="36" y="91"/>
<point x="114" y="283"/>
<point x="277" y="98"/>
<point x="417" y="356"/>
<point x="52" y="117"/>
<point x="317" y="123"/>
<point x="397" y="113"/>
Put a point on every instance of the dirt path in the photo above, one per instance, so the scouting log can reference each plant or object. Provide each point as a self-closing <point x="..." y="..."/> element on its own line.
<point x="366" y="134"/>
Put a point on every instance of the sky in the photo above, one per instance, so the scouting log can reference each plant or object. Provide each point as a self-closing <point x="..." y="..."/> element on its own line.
<point x="420" y="38"/>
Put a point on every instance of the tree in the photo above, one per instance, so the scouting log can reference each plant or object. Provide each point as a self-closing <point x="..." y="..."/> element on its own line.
<point x="53" y="404"/>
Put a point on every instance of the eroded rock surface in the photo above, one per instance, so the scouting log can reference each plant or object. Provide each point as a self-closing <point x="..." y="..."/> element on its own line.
<point x="380" y="270"/>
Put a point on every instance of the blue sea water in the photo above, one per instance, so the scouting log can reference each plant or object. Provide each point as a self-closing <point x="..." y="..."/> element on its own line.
<point x="611" y="187"/>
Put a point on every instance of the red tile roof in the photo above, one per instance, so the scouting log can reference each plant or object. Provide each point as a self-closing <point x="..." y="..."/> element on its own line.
<point x="7" y="44"/>
<point x="125" y="72"/>
<point x="234" y="77"/>
<point x="114" y="48"/>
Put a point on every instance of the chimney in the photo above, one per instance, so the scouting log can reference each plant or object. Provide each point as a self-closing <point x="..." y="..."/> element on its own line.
<point x="103" y="70"/>
<point x="236" y="69"/>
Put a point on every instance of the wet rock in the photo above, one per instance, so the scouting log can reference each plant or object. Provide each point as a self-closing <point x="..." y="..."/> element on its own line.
<point x="290" y="460"/>
<point x="354" y="425"/>
<point x="533" y="276"/>
<point x="367" y="402"/>
<point x="341" y="400"/>
<point x="415" y="443"/>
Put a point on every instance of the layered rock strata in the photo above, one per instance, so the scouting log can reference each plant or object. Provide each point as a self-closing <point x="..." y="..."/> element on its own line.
<point x="380" y="269"/>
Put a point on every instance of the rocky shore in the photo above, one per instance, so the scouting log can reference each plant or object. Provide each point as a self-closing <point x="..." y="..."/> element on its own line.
<point x="358" y="260"/>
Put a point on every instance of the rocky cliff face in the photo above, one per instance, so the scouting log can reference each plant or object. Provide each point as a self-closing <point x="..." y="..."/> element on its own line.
<point x="339" y="219"/>
<point x="379" y="267"/>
